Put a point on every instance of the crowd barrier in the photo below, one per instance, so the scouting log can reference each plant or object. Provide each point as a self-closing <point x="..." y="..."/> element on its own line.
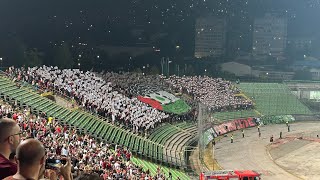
<point x="227" y="127"/>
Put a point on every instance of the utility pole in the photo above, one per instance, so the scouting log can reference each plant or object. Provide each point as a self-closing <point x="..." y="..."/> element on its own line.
<point x="162" y="64"/>
<point x="178" y="70"/>
<point x="1" y="63"/>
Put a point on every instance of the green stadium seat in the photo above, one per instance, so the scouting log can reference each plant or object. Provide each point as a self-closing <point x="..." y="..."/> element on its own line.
<point x="95" y="126"/>
<point x="120" y="136"/>
<point x="90" y="123"/>
<point x="133" y="143"/>
<point x="101" y="129"/>
<point x="137" y="144"/>
<point x="79" y="121"/>
<point x="127" y="139"/>
<point x="142" y="146"/>
<point x="274" y="99"/>
<point x="114" y="135"/>
<point x="85" y="122"/>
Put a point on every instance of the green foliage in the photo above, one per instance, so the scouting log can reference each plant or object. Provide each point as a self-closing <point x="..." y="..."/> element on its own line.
<point x="15" y="51"/>
<point x="62" y="57"/>
<point x="137" y="70"/>
<point x="86" y="63"/>
<point x="190" y="70"/>
<point x="154" y="70"/>
<point x="302" y="75"/>
<point x="120" y="61"/>
<point x="33" y="58"/>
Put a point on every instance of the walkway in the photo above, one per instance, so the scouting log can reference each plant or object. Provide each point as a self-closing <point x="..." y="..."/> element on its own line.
<point x="251" y="152"/>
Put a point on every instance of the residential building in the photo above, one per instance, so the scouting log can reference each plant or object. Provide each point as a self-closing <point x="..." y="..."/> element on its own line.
<point x="210" y="37"/>
<point x="269" y="35"/>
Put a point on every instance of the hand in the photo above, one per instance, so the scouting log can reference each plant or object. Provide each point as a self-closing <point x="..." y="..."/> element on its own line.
<point x="51" y="174"/>
<point x="65" y="170"/>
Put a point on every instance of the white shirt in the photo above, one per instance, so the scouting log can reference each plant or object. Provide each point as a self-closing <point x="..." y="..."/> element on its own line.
<point x="64" y="152"/>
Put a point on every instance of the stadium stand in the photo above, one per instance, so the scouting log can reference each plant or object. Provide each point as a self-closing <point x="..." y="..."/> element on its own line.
<point x="151" y="90"/>
<point x="273" y="99"/>
<point x="152" y="147"/>
<point x="55" y="137"/>
<point x="230" y="115"/>
<point x="177" y="107"/>
<point x="277" y="119"/>
<point x="94" y="94"/>
<point x="216" y="93"/>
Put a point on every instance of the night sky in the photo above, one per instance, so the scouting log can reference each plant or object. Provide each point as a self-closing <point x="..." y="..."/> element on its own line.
<point x="44" y="24"/>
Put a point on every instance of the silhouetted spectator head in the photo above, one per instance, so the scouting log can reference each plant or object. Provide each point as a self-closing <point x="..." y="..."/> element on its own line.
<point x="9" y="140"/>
<point x="31" y="158"/>
<point x="89" y="177"/>
<point x="10" y="136"/>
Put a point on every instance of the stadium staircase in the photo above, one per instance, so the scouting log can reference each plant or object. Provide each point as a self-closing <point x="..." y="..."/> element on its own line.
<point x="160" y="147"/>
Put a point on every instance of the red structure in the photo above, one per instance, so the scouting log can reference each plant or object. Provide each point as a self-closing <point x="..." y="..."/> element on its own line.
<point x="230" y="175"/>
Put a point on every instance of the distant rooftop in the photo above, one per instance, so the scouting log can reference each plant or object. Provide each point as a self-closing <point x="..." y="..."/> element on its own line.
<point x="313" y="63"/>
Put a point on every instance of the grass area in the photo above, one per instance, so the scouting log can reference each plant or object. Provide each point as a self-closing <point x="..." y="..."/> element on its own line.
<point x="273" y="99"/>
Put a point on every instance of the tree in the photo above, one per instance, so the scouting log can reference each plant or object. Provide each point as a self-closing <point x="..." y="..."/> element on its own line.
<point x="303" y="75"/>
<point x="121" y="61"/>
<point x="15" y="52"/>
<point x="63" y="57"/>
<point x="168" y="48"/>
<point x="20" y="53"/>
<point x="137" y="70"/>
<point x="33" y="58"/>
<point x="144" y="59"/>
<point x="87" y="63"/>
<point x="154" y="70"/>
<point x="190" y="71"/>
<point x="102" y="63"/>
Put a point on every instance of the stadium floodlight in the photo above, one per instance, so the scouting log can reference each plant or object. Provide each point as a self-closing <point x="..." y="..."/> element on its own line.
<point x="168" y="66"/>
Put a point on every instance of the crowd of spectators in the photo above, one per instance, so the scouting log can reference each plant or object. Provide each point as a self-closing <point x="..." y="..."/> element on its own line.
<point x="87" y="154"/>
<point x="127" y="79"/>
<point x="94" y="94"/>
<point x="216" y="93"/>
<point x="108" y="94"/>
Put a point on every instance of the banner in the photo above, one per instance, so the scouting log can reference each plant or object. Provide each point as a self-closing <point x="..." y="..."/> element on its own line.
<point x="234" y="125"/>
